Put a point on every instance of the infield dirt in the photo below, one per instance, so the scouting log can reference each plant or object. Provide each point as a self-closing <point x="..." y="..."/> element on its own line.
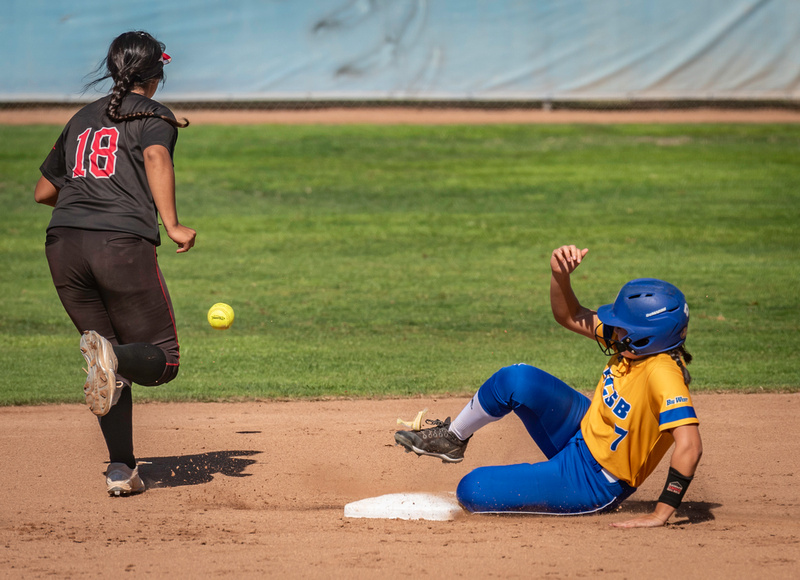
<point x="254" y="490"/>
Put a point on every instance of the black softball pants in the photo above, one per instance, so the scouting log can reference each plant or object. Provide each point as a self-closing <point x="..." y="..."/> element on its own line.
<point x="110" y="282"/>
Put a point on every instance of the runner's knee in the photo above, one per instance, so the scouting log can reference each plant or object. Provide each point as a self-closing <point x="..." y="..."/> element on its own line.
<point x="508" y="387"/>
<point x="470" y="493"/>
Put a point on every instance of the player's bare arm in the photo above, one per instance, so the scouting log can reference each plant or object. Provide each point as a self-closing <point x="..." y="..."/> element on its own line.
<point x="567" y="310"/>
<point x="161" y="178"/>
<point x="45" y="192"/>
<point x="685" y="459"/>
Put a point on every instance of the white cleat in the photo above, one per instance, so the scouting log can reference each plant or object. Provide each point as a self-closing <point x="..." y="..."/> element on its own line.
<point x="121" y="480"/>
<point x="102" y="389"/>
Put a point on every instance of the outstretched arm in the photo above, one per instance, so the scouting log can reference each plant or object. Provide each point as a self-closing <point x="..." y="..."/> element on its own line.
<point x="567" y="310"/>
<point x="685" y="458"/>
<point x="161" y="178"/>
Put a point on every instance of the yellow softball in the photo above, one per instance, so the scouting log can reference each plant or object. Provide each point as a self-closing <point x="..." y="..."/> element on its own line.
<point x="220" y="316"/>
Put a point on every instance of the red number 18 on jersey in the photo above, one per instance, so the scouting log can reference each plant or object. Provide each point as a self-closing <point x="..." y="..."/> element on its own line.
<point x="102" y="153"/>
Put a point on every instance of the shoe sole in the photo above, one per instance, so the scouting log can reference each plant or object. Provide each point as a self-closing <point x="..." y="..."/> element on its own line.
<point x="100" y="394"/>
<point x="123" y="491"/>
<point x="409" y="447"/>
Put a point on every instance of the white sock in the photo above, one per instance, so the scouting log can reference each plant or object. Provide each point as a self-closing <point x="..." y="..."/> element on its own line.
<point x="472" y="418"/>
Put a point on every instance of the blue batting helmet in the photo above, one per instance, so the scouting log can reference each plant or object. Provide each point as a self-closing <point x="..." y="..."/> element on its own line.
<point x="654" y="314"/>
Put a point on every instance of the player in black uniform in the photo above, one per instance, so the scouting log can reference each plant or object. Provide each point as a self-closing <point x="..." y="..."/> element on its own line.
<point x="109" y="177"/>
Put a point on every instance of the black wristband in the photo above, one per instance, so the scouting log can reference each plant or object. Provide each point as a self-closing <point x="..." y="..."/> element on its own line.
<point x="675" y="488"/>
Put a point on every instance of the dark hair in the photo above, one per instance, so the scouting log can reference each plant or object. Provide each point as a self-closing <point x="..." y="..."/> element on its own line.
<point x="682" y="357"/>
<point x="133" y="59"/>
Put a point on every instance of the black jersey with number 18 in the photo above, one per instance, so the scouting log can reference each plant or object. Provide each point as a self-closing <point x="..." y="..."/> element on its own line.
<point x="98" y="167"/>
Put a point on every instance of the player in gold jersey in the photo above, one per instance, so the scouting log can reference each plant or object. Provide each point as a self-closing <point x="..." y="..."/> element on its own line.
<point x="599" y="451"/>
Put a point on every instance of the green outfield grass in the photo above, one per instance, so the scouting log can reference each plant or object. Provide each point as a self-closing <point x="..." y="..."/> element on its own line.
<point x="394" y="261"/>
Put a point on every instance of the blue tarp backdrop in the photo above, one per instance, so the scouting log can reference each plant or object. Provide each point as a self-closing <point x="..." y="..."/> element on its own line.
<point x="236" y="50"/>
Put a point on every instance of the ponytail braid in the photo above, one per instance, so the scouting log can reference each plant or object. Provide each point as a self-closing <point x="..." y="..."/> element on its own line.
<point x="682" y="357"/>
<point x="114" y="115"/>
<point x="122" y="87"/>
<point x="133" y="60"/>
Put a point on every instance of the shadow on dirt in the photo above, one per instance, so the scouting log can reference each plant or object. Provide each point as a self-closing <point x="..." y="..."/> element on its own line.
<point x="194" y="469"/>
<point x="690" y="512"/>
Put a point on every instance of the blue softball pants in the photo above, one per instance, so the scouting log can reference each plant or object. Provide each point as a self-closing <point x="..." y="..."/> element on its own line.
<point x="570" y="482"/>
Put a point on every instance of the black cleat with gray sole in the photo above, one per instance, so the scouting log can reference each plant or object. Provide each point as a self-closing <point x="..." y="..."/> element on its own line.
<point x="436" y="441"/>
